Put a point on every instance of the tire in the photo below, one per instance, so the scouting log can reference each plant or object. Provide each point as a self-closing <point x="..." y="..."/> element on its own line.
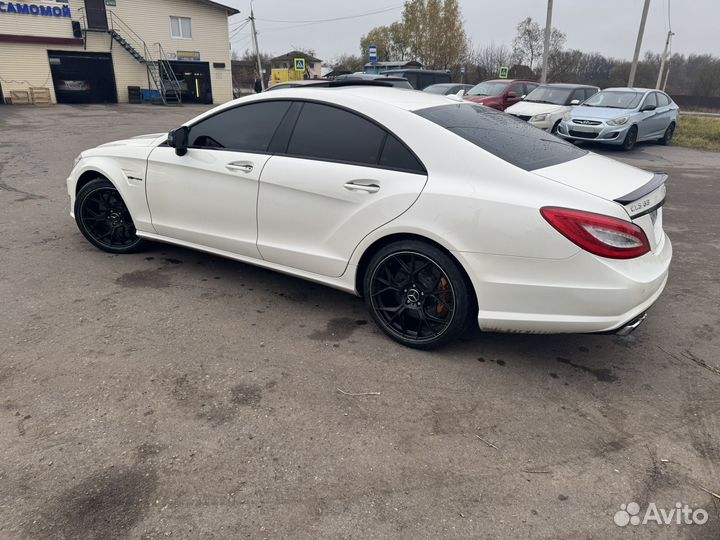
<point x="104" y="220"/>
<point x="666" y="139"/>
<point x="554" y="129"/>
<point x="630" y="138"/>
<point x="417" y="294"/>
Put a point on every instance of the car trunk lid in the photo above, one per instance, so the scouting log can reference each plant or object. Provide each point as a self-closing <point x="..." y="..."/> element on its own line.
<point x="640" y="193"/>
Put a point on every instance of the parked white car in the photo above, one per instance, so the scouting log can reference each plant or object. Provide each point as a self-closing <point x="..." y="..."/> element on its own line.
<point x="545" y="106"/>
<point x="437" y="212"/>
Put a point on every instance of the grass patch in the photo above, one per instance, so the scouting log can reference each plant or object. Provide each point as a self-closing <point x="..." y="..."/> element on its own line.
<point x="698" y="132"/>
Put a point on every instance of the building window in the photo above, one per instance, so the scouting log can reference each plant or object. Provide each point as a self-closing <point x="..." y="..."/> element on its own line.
<point x="181" y="27"/>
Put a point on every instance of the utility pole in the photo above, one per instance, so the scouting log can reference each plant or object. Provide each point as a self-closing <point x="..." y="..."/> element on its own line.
<point x="638" y="44"/>
<point x="664" y="59"/>
<point x="257" y="49"/>
<point x="546" y="48"/>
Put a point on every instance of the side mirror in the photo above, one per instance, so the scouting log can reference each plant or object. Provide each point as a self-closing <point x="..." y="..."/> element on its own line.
<point x="523" y="96"/>
<point x="512" y="95"/>
<point x="178" y="139"/>
<point x="648" y="108"/>
<point x="575" y="102"/>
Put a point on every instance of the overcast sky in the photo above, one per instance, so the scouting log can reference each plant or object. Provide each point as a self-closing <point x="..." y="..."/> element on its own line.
<point x="606" y="26"/>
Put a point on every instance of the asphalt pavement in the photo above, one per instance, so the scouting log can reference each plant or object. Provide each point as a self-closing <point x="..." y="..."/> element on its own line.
<point x="176" y="394"/>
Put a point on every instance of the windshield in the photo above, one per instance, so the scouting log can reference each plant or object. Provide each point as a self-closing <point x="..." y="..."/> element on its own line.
<point x="550" y="94"/>
<point x="503" y="135"/>
<point x="437" y="88"/>
<point x="614" y="99"/>
<point x="488" y="89"/>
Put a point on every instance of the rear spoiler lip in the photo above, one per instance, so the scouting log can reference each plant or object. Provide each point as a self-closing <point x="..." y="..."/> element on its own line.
<point x="646" y="199"/>
<point x="655" y="182"/>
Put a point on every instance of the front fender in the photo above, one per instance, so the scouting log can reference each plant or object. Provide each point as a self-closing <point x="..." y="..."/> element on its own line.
<point x="127" y="174"/>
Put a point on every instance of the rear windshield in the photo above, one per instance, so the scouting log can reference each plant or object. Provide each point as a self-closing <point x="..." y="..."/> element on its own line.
<point x="503" y="135"/>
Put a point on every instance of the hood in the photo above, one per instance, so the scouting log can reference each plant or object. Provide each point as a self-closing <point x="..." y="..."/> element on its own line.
<point x="139" y="141"/>
<point x="600" y="113"/>
<point x="598" y="175"/>
<point x="530" y="108"/>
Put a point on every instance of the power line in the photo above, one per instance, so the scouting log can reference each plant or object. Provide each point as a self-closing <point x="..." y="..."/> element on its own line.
<point x="318" y="21"/>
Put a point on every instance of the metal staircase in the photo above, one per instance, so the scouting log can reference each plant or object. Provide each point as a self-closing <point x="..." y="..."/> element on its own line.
<point x="161" y="77"/>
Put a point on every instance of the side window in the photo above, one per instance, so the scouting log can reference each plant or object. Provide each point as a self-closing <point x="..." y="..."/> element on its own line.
<point x="579" y="94"/>
<point x="528" y="88"/>
<point x="518" y="89"/>
<point x="662" y="99"/>
<point x="325" y="132"/>
<point x="396" y="156"/>
<point x="650" y="100"/>
<point x="248" y="128"/>
<point x="589" y="92"/>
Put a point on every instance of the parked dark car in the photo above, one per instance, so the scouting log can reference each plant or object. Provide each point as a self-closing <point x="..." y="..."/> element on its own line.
<point x="500" y="93"/>
<point x="420" y="78"/>
<point x="447" y="89"/>
<point x="398" y="82"/>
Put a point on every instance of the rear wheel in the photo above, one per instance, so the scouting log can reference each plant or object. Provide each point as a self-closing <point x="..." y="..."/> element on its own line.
<point x="630" y="138"/>
<point x="103" y="218"/>
<point x="667" y="137"/>
<point x="417" y="294"/>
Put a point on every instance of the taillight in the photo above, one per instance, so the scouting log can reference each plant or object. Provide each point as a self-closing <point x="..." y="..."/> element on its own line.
<point x="602" y="235"/>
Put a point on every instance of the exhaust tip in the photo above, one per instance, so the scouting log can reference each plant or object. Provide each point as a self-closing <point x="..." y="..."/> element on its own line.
<point x="630" y="327"/>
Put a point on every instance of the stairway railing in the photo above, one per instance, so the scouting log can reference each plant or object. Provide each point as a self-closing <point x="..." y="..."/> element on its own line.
<point x="169" y="74"/>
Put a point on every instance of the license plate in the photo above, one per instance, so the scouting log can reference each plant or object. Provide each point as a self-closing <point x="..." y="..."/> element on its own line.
<point x="584" y="129"/>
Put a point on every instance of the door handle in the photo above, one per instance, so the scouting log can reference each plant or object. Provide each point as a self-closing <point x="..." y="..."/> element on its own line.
<point x="244" y="166"/>
<point x="367" y="188"/>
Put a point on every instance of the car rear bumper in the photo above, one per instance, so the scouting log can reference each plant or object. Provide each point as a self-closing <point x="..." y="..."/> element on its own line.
<point x="581" y="294"/>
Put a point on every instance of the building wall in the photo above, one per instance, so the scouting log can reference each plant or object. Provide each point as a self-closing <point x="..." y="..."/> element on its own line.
<point x="23" y="65"/>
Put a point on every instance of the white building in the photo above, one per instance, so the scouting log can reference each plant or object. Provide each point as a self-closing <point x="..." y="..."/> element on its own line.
<point x="91" y="51"/>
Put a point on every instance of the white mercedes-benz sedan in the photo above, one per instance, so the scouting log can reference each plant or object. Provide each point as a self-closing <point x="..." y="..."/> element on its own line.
<point x="437" y="212"/>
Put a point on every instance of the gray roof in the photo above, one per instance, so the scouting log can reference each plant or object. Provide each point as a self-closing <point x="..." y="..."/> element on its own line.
<point x="230" y="10"/>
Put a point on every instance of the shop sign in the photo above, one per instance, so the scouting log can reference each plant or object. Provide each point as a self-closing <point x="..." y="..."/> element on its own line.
<point x="189" y="56"/>
<point x="33" y="9"/>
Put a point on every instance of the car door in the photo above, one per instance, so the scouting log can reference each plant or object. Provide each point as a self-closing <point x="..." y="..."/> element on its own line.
<point x="648" y="123"/>
<point x="665" y="113"/>
<point x="208" y="196"/>
<point x="341" y="177"/>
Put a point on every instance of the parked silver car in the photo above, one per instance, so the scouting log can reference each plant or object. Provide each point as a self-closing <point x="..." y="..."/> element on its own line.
<point x="622" y="116"/>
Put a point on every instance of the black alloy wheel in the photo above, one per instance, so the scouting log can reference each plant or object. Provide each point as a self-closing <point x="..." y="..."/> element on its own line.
<point x="104" y="219"/>
<point x="417" y="294"/>
<point x="667" y="137"/>
<point x="630" y="138"/>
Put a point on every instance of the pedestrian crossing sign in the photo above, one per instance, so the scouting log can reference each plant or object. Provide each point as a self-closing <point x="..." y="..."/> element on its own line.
<point x="504" y="72"/>
<point x="299" y="64"/>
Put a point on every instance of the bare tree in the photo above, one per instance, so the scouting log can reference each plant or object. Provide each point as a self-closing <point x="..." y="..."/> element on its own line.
<point x="528" y="44"/>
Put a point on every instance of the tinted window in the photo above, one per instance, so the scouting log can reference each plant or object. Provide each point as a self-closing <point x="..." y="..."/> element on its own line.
<point x="396" y="156"/>
<point x="249" y="128"/>
<point x="503" y="135"/>
<point x="663" y="100"/>
<point x="329" y="133"/>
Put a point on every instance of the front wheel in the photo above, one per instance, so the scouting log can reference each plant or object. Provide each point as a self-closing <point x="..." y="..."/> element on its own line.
<point x="417" y="294"/>
<point x="667" y="137"/>
<point x="630" y="138"/>
<point x="103" y="218"/>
